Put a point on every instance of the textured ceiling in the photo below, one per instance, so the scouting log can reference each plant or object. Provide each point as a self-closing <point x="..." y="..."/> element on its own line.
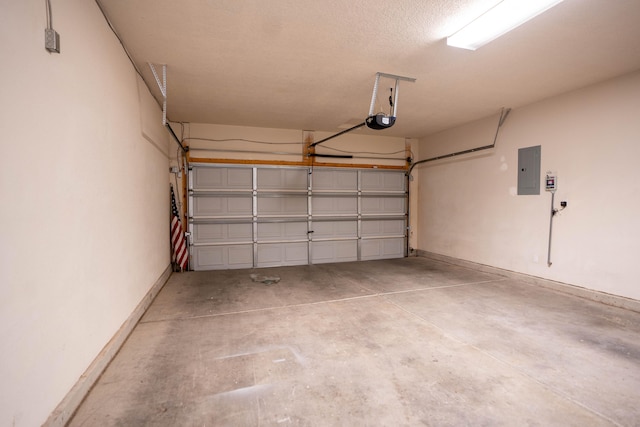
<point x="302" y="64"/>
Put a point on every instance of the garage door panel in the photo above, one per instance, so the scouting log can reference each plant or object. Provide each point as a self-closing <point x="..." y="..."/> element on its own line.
<point x="209" y="178"/>
<point x="334" y="205"/>
<point x="221" y="233"/>
<point x="221" y="257"/>
<point x="371" y="228"/>
<point x="240" y="256"/>
<point x="277" y="254"/>
<point x="282" y="231"/>
<point x="382" y="181"/>
<point x="335" y="180"/>
<point x="382" y="249"/>
<point x="337" y="251"/>
<point x="282" y="179"/>
<point x="222" y="206"/>
<point x="383" y="205"/>
<point x="335" y="229"/>
<point x="282" y="206"/>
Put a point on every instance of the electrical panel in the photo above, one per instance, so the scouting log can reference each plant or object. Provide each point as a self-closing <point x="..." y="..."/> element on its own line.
<point x="529" y="170"/>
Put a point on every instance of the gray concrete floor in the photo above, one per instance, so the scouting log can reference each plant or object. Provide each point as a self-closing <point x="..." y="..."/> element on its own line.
<point x="387" y="343"/>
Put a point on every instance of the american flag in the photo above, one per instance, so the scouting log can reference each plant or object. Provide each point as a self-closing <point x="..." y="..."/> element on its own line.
<point x="177" y="236"/>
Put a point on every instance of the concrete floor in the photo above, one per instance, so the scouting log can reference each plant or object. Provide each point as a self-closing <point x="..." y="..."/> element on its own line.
<point x="400" y="342"/>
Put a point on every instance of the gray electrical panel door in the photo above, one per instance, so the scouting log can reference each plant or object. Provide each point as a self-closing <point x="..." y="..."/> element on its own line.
<point x="245" y="216"/>
<point x="529" y="170"/>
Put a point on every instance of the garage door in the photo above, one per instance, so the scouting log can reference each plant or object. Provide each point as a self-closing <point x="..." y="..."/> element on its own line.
<point x="264" y="216"/>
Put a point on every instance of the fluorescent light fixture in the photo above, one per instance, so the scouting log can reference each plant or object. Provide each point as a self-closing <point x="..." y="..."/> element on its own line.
<point x="502" y="18"/>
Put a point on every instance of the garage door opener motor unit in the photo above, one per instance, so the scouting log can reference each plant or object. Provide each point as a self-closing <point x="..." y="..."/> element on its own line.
<point x="377" y="121"/>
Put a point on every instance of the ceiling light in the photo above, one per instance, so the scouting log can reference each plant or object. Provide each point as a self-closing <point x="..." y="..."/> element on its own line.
<point x="502" y="18"/>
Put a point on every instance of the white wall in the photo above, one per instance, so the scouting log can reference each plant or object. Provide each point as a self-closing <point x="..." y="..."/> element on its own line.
<point x="468" y="207"/>
<point x="84" y="218"/>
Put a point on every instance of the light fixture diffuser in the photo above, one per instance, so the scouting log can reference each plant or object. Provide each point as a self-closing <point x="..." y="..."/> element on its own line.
<point x="502" y="18"/>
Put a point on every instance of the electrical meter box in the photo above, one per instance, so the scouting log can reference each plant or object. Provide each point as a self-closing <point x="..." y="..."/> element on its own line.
<point x="551" y="182"/>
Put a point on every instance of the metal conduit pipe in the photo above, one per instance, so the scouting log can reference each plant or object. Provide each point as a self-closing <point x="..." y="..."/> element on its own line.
<point x="503" y="116"/>
<point x="553" y="212"/>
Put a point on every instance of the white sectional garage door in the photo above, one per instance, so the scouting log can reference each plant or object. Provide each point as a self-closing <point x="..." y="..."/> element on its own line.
<point x="264" y="216"/>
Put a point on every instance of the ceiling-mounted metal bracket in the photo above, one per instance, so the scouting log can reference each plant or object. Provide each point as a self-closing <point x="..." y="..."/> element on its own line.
<point x="162" y="85"/>
<point x="374" y="95"/>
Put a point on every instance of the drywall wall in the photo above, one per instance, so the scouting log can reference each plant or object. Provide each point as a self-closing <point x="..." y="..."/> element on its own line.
<point x="83" y="183"/>
<point x="469" y="209"/>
